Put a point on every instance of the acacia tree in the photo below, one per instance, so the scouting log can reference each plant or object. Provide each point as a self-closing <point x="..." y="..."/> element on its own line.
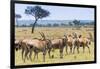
<point x="17" y="16"/>
<point x="76" y="23"/>
<point x="37" y="12"/>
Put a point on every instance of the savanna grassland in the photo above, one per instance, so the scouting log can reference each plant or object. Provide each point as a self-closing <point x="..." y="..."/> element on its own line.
<point x="52" y="33"/>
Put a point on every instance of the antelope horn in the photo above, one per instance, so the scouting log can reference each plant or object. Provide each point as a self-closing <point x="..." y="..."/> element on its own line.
<point x="43" y="35"/>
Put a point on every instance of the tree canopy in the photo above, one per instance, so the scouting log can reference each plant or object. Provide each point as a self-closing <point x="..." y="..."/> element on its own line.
<point x="18" y="16"/>
<point x="37" y="12"/>
<point x="76" y="22"/>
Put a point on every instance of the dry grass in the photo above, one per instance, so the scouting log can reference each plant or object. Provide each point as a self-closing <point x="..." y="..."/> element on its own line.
<point x="52" y="33"/>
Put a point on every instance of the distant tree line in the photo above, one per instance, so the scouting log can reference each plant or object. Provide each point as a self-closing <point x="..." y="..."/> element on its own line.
<point x="75" y="23"/>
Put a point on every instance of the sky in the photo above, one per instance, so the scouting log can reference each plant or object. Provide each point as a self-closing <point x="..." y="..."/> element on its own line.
<point x="58" y="12"/>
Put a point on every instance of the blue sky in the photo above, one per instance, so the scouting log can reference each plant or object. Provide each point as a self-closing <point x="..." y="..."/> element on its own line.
<point x="58" y="12"/>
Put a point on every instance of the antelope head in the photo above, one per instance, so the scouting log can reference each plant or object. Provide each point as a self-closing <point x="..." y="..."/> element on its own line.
<point x="74" y="35"/>
<point x="17" y="45"/>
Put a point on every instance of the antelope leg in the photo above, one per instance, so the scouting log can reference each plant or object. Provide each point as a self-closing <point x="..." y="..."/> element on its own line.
<point x="43" y="56"/>
<point x="49" y="53"/>
<point x="70" y="49"/>
<point x="78" y="49"/>
<point x="22" y="53"/>
<point x="37" y="55"/>
<point x="61" y="53"/>
<point x="88" y="48"/>
<point x="34" y="55"/>
<point x="66" y="49"/>
<point x="83" y="49"/>
<point x="30" y="54"/>
<point x="74" y="49"/>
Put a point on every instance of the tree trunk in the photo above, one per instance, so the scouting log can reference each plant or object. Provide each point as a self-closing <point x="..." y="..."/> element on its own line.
<point x="16" y="22"/>
<point x="34" y="26"/>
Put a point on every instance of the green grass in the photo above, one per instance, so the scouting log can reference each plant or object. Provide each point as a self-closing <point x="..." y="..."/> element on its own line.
<point x="52" y="33"/>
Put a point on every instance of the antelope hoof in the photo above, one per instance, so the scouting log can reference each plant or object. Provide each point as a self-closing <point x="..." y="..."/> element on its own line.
<point x="52" y="56"/>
